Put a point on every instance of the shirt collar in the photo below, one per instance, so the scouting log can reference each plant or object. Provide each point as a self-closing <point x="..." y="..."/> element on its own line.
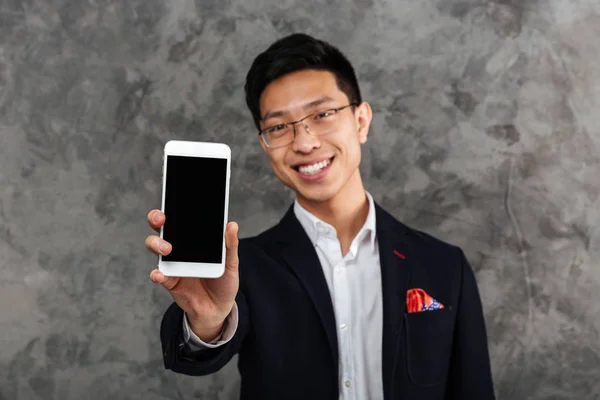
<point x="315" y="227"/>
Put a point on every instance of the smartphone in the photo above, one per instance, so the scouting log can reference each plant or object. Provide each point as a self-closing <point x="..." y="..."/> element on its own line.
<point x="195" y="200"/>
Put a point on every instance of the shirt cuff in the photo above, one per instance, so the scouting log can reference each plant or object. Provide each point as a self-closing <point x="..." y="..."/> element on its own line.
<point x="229" y="328"/>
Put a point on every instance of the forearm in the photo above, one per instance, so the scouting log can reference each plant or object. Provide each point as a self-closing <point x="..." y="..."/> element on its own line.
<point x="183" y="359"/>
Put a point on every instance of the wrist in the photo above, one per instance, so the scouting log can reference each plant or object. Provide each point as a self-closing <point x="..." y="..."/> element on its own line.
<point x="206" y="333"/>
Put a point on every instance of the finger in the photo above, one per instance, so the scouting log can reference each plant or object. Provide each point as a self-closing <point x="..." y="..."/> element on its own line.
<point x="156" y="219"/>
<point x="167" y="281"/>
<point x="231" y="243"/>
<point x="158" y="246"/>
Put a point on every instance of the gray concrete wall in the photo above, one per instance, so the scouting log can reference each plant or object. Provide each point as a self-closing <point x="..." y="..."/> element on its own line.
<point x="486" y="134"/>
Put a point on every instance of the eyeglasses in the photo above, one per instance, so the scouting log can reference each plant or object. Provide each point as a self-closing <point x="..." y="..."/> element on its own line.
<point x="316" y="124"/>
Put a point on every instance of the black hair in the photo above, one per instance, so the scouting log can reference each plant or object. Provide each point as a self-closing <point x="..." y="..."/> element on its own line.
<point x="293" y="53"/>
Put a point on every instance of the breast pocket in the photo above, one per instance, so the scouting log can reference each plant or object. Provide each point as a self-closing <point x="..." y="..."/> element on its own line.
<point x="429" y="343"/>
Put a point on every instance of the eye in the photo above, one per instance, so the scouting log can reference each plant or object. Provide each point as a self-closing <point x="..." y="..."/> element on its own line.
<point x="324" y="114"/>
<point x="275" y="129"/>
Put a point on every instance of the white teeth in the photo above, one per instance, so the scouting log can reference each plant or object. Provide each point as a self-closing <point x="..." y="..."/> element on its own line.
<point x="314" y="168"/>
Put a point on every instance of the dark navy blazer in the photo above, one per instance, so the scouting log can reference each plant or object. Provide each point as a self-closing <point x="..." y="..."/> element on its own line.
<point x="286" y="337"/>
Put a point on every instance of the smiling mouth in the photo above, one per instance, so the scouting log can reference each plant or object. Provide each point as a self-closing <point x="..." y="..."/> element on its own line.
<point x="315" y="168"/>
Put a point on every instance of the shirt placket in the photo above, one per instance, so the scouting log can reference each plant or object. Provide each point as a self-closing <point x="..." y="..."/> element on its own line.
<point x="343" y="313"/>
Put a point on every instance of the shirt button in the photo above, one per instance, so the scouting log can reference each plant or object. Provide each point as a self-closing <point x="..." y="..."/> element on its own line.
<point x="343" y="327"/>
<point x="348" y="383"/>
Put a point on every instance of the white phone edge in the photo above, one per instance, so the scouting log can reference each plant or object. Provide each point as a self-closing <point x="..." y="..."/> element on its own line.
<point x="195" y="149"/>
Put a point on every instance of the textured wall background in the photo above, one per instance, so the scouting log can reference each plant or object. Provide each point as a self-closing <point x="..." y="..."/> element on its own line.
<point x="486" y="134"/>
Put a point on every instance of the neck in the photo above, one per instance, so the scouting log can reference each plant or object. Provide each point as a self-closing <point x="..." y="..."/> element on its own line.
<point x="347" y="211"/>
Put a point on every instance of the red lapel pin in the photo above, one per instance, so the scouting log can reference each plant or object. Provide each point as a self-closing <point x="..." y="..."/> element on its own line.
<point x="402" y="256"/>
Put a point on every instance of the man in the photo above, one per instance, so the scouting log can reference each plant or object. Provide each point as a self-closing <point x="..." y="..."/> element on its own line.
<point x="339" y="300"/>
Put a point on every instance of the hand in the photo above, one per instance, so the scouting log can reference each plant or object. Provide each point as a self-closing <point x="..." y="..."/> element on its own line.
<point x="207" y="302"/>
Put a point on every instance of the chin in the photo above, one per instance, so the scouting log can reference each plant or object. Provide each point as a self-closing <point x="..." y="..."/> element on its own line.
<point x="313" y="192"/>
<point x="317" y="194"/>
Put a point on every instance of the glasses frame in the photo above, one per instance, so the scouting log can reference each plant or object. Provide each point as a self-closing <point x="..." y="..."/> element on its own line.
<point x="263" y="132"/>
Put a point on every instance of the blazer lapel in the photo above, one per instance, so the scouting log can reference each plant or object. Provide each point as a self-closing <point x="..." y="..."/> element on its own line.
<point x="299" y="254"/>
<point x="396" y="259"/>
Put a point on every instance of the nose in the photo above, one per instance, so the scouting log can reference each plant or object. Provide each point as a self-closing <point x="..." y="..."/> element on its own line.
<point x="304" y="142"/>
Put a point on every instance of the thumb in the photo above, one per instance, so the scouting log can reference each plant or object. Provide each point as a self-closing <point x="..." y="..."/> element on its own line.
<point x="231" y="244"/>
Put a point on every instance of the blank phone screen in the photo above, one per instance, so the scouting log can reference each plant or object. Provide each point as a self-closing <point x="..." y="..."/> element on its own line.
<point x="194" y="208"/>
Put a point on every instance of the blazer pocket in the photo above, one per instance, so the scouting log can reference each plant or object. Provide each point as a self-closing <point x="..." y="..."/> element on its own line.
<point x="429" y="343"/>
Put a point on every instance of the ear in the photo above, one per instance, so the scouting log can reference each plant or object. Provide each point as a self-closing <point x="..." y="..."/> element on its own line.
<point x="363" y="114"/>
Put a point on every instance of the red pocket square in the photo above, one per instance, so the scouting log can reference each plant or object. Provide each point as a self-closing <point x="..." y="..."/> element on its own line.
<point x="418" y="300"/>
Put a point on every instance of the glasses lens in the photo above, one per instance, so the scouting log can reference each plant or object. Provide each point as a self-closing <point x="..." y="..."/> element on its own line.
<point x="323" y="123"/>
<point x="278" y="136"/>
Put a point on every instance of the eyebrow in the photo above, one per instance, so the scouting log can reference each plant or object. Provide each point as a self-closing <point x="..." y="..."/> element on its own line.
<point x="283" y="113"/>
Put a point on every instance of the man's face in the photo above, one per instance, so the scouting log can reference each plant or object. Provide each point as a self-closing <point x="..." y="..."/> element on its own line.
<point x="319" y="167"/>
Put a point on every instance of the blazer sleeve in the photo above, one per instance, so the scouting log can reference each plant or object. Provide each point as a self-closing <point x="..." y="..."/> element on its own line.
<point x="178" y="358"/>
<point x="470" y="374"/>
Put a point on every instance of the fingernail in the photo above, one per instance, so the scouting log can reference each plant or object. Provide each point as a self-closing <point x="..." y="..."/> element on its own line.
<point x="155" y="218"/>
<point x="162" y="247"/>
<point x="153" y="276"/>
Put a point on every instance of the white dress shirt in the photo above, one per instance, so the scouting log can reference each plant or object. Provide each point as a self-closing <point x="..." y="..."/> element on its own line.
<point x="354" y="282"/>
